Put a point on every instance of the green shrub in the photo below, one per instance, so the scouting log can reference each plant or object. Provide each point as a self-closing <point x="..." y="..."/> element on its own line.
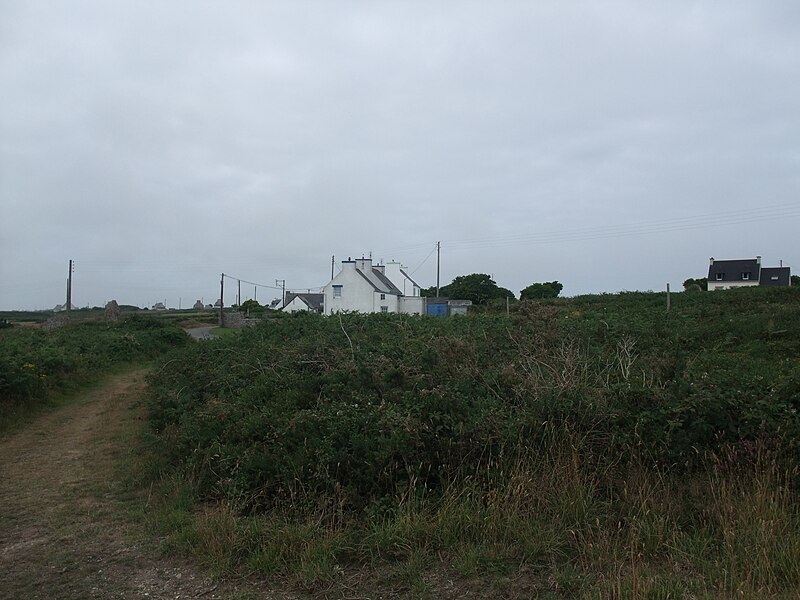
<point x="288" y="415"/>
<point x="34" y="362"/>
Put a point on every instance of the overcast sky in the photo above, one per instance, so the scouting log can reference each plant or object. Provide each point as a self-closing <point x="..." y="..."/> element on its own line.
<point x="611" y="145"/>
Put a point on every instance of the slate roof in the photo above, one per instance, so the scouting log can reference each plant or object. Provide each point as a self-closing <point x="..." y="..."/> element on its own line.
<point x="379" y="282"/>
<point x="734" y="270"/>
<point x="313" y="301"/>
<point x="775" y="276"/>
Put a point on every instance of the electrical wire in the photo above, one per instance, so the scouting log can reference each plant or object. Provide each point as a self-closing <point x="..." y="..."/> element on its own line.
<point x="424" y="260"/>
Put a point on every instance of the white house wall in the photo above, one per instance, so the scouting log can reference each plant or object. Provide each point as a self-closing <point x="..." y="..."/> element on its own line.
<point x="401" y="282"/>
<point x="357" y="293"/>
<point x="295" y="305"/>
<point x="411" y="305"/>
<point x="713" y="284"/>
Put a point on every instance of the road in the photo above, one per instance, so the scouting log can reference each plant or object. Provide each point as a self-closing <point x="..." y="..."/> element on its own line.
<point x="67" y="526"/>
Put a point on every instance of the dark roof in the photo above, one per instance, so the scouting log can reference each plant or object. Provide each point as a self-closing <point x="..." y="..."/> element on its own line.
<point x="734" y="270"/>
<point x="775" y="276"/>
<point x="385" y="280"/>
<point x="379" y="282"/>
<point x="313" y="301"/>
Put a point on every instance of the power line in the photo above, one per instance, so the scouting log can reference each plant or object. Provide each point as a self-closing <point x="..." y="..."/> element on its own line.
<point x="264" y="285"/>
<point x="424" y="260"/>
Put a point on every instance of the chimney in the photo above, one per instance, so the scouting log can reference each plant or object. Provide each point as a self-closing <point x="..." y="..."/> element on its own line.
<point x="758" y="260"/>
<point x="380" y="268"/>
<point x="348" y="265"/>
<point x="712" y="260"/>
<point x="364" y="264"/>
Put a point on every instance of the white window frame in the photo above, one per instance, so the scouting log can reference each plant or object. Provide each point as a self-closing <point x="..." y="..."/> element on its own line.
<point x="337" y="291"/>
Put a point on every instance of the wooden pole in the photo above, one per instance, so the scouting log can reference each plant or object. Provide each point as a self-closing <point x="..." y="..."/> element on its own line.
<point x="438" y="257"/>
<point x="69" y="290"/>
<point x="221" y="295"/>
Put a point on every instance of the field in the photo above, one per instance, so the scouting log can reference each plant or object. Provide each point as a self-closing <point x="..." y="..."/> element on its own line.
<point x="596" y="447"/>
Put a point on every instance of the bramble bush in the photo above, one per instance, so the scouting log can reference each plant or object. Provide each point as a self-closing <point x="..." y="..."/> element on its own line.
<point x="290" y="415"/>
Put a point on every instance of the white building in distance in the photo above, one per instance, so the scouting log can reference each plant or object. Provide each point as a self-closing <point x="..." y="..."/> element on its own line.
<point x="367" y="288"/>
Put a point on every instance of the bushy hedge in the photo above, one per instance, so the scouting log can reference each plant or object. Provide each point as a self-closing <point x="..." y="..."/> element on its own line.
<point x="307" y="410"/>
<point x="34" y="362"/>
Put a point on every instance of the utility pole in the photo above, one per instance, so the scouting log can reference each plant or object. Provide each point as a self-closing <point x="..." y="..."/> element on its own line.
<point x="282" y="283"/>
<point x="668" y="298"/>
<point x="332" y="263"/>
<point x="255" y="293"/>
<point x="221" y="292"/>
<point x="69" y="290"/>
<point x="239" y="294"/>
<point x="438" y="256"/>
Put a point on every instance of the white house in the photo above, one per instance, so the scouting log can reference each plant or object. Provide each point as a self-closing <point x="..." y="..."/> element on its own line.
<point x="303" y="302"/>
<point x="367" y="288"/>
<point x="396" y="273"/>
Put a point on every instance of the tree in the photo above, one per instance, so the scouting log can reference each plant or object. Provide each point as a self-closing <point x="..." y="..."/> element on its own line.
<point x="534" y="291"/>
<point x="795" y="280"/>
<point x="251" y="304"/>
<point x="701" y="283"/>
<point x="478" y="287"/>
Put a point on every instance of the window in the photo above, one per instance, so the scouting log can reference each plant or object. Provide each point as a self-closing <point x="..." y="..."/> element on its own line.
<point x="719" y="276"/>
<point x="384" y="309"/>
<point x="746" y="276"/>
<point x="774" y="278"/>
<point x="383" y="296"/>
<point x="337" y="291"/>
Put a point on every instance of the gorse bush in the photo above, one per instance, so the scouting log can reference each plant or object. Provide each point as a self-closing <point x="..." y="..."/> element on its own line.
<point x="307" y="411"/>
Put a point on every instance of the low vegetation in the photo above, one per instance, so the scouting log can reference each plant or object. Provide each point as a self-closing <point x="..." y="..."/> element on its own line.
<point x="588" y="447"/>
<point x="35" y="364"/>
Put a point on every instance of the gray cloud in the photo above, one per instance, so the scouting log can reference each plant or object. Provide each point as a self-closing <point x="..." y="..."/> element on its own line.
<point x="160" y="144"/>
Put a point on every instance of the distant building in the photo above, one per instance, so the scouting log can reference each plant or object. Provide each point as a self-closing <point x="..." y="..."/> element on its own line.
<point x="367" y="288"/>
<point x="198" y="305"/>
<point x="159" y="306"/>
<point x="748" y="272"/>
<point x="63" y="307"/>
<point x="295" y="302"/>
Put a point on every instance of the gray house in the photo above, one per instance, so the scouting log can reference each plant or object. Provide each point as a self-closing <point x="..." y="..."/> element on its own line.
<point x="746" y="272"/>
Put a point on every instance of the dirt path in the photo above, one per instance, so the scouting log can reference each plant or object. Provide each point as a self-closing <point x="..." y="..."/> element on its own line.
<point x="63" y="529"/>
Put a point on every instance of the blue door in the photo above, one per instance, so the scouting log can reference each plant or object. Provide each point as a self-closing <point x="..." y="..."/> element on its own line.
<point x="437" y="310"/>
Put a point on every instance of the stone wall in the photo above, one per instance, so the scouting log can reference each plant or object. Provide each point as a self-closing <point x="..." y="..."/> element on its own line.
<point x="236" y="320"/>
<point x="56" y="322"/>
